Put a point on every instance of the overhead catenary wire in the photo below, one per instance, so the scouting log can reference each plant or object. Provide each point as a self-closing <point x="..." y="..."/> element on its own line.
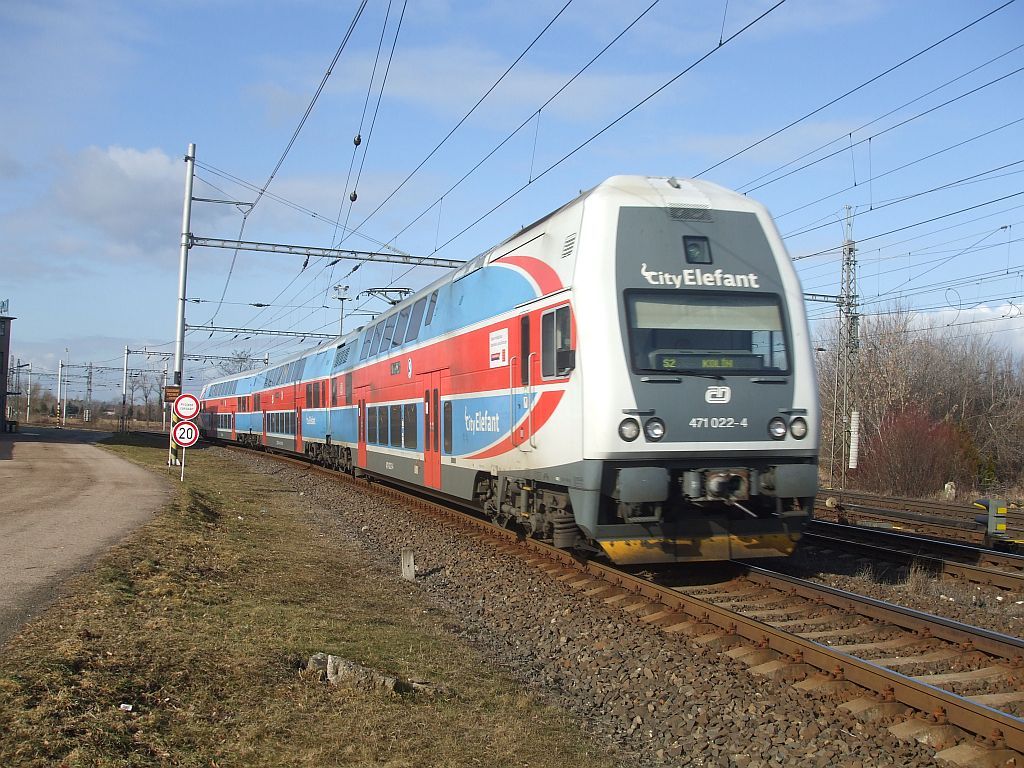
<point x="904" y="198"/>
<point x="465" y="117"/>
<point x="853" y="90"/>
<point x="550" y="99"/>
<point x="614" y="122"/>
<point x="535" y="114"/>
<point x="617" y="120"/>
<point x="288" y="147"/>
<point x="369" y="136"/>
<point x="899" y="168"/>
<point x="915" y="224"/>
<point x="442" y="245"/>
<point x="884" y="131"/>
<point x="745" y="187"/>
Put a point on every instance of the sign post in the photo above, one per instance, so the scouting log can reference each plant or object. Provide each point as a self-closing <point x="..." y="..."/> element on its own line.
<point x="184" y="433"/>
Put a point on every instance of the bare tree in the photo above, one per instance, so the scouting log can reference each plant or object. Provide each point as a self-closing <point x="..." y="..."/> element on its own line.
<point x="148" y="385"/>
<point x="241" y="360"/>
<point x="927" y="395"/>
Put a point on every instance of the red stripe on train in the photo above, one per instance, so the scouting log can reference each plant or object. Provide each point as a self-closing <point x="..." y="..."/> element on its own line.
<point x="543" y="275"/>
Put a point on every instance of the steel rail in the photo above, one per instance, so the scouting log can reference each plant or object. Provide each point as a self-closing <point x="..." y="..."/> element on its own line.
<point x="964" y="552"/>
<point x="975" y="574"/>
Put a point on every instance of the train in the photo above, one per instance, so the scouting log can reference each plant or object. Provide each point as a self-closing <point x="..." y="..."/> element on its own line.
<point x="631" y="376"/>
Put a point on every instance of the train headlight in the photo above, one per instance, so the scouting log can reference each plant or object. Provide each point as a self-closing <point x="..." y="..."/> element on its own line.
<point x="798" y="428"/>
<point x="654" y="429"/>
<point x="629" y="430"/>
<point x="777" y="428"/>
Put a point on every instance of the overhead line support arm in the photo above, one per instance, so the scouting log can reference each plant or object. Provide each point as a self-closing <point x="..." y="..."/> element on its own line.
<point x="326" y="253"/>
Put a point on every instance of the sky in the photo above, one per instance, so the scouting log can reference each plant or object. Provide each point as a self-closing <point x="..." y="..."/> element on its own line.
<point x="468" y="132"/>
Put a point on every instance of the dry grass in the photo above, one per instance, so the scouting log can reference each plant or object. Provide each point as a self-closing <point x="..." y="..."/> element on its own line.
<point x="200" y="622"/>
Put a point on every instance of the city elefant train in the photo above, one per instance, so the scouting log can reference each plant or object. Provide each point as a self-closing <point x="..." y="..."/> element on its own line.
<point x="632" y="373"/>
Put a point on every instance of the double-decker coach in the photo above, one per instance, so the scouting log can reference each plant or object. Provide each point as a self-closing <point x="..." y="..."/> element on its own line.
<point x="632" y="374"/>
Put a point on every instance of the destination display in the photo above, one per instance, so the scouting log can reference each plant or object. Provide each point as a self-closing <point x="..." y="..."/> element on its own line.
<point x="691" y="361"/>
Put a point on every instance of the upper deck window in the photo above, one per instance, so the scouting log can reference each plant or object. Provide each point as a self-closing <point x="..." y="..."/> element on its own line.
<point x="430" y="308"/>
<point x="389" y="331"/>
<point x="706" y="332"/>
<point x="403" y="324"/>
<point x="367" y="340"/>
<point x="378" y="331"/>
<point x="417" y="317"/>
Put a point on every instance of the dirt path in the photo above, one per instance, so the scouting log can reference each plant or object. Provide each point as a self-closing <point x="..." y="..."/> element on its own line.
<point x="62" y="503"/>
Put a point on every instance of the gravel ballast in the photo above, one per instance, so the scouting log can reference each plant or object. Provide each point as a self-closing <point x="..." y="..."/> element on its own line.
<point x="660" y="698"/>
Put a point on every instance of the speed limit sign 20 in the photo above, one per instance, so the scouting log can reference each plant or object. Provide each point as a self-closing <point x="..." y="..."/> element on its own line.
<point x="185" y="434"/>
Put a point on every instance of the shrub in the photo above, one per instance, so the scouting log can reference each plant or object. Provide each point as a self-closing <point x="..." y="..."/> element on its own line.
<point x="912" y="455"/>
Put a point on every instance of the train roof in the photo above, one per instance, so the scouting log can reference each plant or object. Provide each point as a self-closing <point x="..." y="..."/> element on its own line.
<point x="655" y="191"/>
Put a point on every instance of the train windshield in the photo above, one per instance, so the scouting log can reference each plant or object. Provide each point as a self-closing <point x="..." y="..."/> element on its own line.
<point x="706" y="332"/>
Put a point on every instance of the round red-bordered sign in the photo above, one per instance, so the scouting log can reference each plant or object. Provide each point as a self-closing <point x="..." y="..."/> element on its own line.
<point x="186" y="406"/>
<point x="185" y="434"/>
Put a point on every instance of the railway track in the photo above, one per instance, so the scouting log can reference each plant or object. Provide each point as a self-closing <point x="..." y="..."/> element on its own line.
<point x="964" y="686"/>
<point x="944" y="520"/>
<point x="959" y="561"/>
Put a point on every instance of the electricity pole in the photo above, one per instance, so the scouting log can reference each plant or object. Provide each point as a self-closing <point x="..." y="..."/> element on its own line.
<point x="60" y="379"/>
<point x="88" y="395"/>
<point x="846" y="351"/>
<point x="186" y="234"/>
<point x="340" y="291"/>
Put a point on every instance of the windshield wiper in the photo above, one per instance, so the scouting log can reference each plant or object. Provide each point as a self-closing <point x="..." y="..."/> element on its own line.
<point x="666" y="376"/>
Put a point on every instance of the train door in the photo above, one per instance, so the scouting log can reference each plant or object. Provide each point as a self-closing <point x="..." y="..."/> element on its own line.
<point x="432" y="430"/>
<point x="297" y="401"/>
<point x="361" y="395"/>
<point x="522" y="388"/>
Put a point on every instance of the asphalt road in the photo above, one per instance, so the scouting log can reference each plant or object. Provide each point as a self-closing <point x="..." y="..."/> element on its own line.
<point x="63" y="502"/>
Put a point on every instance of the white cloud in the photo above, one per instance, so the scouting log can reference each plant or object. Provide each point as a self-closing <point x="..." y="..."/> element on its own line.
<point x="128" y="195"/>
<point x="105" y="207"/>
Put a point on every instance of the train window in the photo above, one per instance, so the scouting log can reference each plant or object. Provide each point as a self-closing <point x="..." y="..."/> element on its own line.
<point x="448" y="426"/>
<point x="389" y="331"/>
<point x="430" y="308"/>
<point x="416" y="319"/>
<point x="382" y="425"/>
<point x="378" y="331"/>
<point x="706" y="332"/>
<point x="400" y="328"/>
<point x="256" y="402"/>
<point x="371" y="425"/>
<point x="367" y="340"/>
<point x="524" y="350"/>
<point x="426" y="420"/>
<point x="435" y="423"/>
<point x="696" y="249"/>
<point x="396" y="426"/>
<point x="409" y="437"/>
<point x="348" y="389"/>
<point x="309" y="395"/>
<point x="334" y="392"/>
<point x="557" y="354"/>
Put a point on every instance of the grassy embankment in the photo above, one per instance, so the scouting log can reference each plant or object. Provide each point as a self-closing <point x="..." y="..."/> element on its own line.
<point x="200" y="622"/>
